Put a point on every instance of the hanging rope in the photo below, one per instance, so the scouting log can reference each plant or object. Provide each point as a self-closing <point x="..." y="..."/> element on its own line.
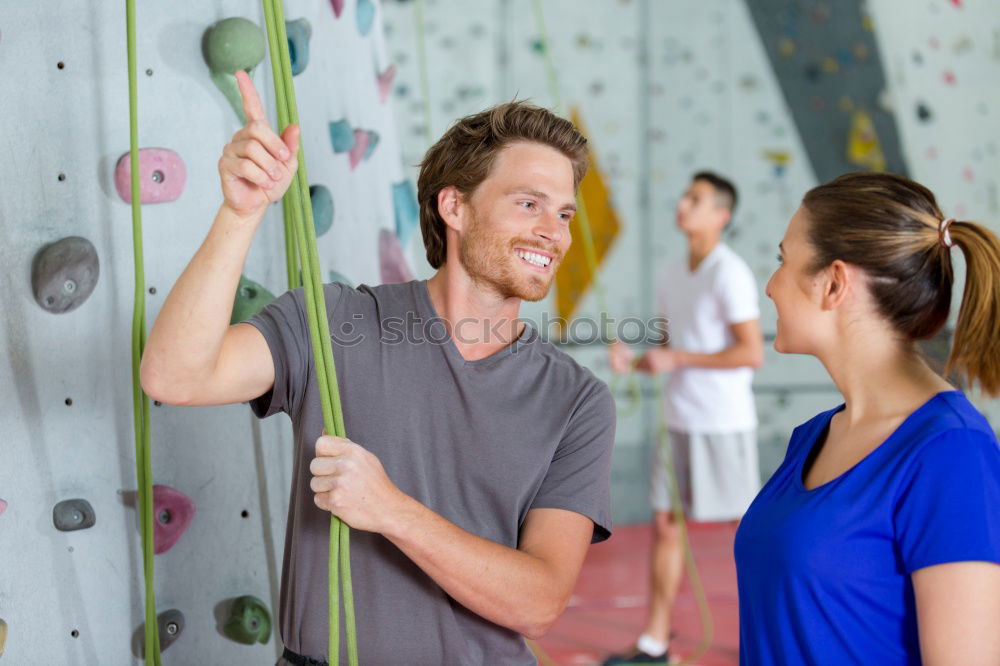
<point x="297" y="201"/>
<point x="140" y="401"/>
<point x="662" y="431"/>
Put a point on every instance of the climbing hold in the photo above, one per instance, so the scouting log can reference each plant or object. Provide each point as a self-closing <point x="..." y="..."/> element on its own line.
<point x="322" y="207"/>
<point x="3" y="506"/>
<point x="3" y="636"/>
<point x="372" y="142"/>
<point x="392" y="263"/>
<point x="341" y="136"/>
<point x="250" y="299"/>
<point x="341" y="278"/>
<point x="172" y="513"/>
<point x="360" y="148"/>
<point x="298" y="32"/>
<point x="64" y="274"/>
<point x="385" y="82"/>
<point x="232" y="44"/>
<point x="923" y="112"/>
<point x="249" y="621"/>
<point x="404" y="202"/>
<point x="161" y="176"/>
<point x="365" y="14"/>
<point x="73" y="514"/>
<point x="338" y="7"/>
<point x="169" y="624"/>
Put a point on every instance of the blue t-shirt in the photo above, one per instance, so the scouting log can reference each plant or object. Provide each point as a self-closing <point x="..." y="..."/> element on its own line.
<point x="824" y="574"/>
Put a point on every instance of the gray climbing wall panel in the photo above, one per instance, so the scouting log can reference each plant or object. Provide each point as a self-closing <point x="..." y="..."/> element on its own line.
<point x="826" y="58"/>
<point x="74" y="597"/>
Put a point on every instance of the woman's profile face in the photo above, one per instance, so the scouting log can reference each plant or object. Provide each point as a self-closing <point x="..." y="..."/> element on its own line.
<point x="794" y="291"/>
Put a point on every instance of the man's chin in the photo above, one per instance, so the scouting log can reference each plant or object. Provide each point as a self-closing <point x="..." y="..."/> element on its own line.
<point x="534" y="291"/>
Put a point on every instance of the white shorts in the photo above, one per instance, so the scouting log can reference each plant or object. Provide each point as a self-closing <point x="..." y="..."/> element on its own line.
<point x="718" y="474"/>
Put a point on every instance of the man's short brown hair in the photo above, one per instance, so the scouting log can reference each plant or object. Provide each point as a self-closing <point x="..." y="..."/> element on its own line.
<point x="464" y="156"/>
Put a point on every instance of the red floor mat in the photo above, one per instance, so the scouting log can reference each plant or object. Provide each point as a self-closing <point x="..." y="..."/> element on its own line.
<point x="608" y="608"/>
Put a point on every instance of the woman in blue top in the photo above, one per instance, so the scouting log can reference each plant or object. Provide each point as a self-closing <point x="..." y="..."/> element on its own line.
<point x="877" y="540"/>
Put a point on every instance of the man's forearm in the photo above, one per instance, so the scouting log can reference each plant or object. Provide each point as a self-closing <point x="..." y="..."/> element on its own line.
<point x="184" y="343"/>
<point x="506" y="586"/>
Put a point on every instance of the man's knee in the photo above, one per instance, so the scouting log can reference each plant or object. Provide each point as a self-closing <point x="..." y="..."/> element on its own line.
<point x="665" y="527"/>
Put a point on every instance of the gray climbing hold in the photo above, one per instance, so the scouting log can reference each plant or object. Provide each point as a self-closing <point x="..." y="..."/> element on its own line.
<point x="298" y="32"/>
<point x="322" y="208"/>
<point x="341" y="136"/>
<point x="250" y="299"/>
<point x="73" y="514"/>
<point x="64" y="274"/>
<point x="3" y="636"/>
<point x="169" y="624"/>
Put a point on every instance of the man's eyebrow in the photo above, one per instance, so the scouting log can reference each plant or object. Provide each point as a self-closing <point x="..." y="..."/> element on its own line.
<point x="538" y="194"/>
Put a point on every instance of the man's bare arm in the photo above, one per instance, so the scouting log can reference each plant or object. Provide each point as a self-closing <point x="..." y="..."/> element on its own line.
<point x="193" y="356"/>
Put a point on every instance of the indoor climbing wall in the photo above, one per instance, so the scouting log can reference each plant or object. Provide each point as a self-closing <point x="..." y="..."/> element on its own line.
<point x="71" y="591"/>
<point x="775" y="95"/>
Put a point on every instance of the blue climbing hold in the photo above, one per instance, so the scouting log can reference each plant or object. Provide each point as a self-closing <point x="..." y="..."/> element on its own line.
<point x="372" y="142"/>
<point x="322" y="208"/>
<point x="341" y="136"/>
<point x="404" y="201"/>
<point x="299" y="32"/>
<point x="365" y="16"/>
<point x="341" y="278"/>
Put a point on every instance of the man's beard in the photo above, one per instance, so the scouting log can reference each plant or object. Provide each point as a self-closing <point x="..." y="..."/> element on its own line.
<point x="489" y="261"/>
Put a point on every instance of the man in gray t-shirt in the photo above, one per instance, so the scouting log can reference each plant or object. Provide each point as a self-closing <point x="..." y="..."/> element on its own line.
<point x="480" y="443"/>
<point x="477" y="469"/>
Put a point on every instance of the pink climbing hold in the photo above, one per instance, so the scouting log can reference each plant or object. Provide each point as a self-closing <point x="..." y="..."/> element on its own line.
<point x="385" y="82"/>
<point x="3" y="506"/>
<point x="161" y="176"/>
<point x="360" y="147"/>
<point x="338" y="7"/>
<point x="172" y="513"/>
<point x="391" y="260"/>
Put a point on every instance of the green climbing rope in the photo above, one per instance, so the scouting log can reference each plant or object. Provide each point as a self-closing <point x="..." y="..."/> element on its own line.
<point x="298" y="202"/>
<point x="140" y="401"/>
<point x="663" y="439"/>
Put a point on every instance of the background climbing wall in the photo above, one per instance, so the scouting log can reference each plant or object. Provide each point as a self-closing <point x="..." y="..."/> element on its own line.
<point x="749" y="89"/>
<point x="74" y="597"/>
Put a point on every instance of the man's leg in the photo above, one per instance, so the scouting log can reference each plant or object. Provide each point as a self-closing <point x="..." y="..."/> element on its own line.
<point x="666" y="571"/>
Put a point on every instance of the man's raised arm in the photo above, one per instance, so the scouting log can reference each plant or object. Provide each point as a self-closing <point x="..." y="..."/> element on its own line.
<point x="193" y="356"/>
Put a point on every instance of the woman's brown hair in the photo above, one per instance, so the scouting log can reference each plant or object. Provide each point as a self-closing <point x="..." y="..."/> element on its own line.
<point x="892" y="228"/>
<point x="465" y="154"/>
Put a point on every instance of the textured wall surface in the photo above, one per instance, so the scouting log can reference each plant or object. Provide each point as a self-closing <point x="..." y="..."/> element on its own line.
<point x="74" y="597"/>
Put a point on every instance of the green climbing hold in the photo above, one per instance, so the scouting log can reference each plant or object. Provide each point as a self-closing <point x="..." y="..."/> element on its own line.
<point x="230" y="45"/>
<point x="250" y="299"/>
<point x="249" y="621"/>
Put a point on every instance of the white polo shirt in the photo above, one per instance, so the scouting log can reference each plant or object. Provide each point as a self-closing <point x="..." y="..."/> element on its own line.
<point x="700" y="307"/>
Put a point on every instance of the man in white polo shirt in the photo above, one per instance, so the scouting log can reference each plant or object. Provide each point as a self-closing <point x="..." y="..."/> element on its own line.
<point x="710" y="301"/>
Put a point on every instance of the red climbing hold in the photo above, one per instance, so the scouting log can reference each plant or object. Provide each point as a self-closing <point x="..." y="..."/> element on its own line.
<point x="172" y="513"/>
<point x="338" y="7"/>
<point x="385" y="82"/>
<point x="360" y="147"/>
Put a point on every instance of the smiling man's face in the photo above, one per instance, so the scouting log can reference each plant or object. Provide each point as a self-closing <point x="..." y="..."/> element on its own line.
<point x="518" y="232"/>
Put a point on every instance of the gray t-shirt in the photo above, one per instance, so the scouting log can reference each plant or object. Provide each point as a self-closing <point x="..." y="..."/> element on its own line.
<point x="479" y="442"/>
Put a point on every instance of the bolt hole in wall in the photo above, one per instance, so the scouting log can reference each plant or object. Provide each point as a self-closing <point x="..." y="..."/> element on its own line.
<point x="61" y="65"/>
<point x="69" y="402"/>
<point x="244" y="513"/>
<point x="61" y="177"/>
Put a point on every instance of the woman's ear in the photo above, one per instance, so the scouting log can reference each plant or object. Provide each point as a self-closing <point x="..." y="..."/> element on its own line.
<point x="450" y="203"/>
<point x="837" y="284"/>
